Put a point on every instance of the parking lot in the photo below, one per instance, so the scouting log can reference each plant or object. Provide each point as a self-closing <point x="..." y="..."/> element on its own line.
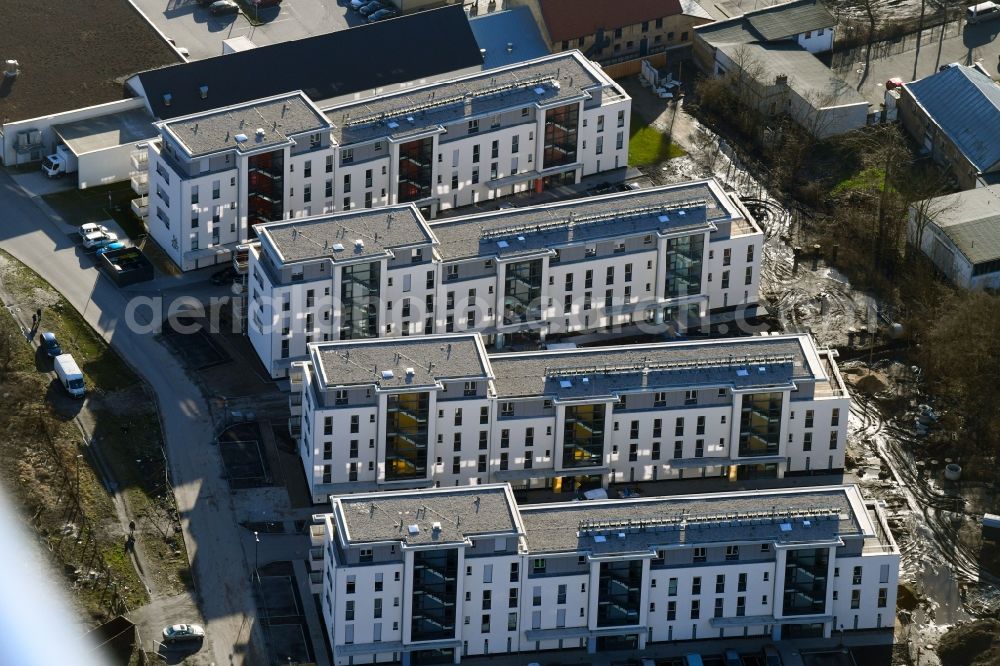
<point x="192" y="27"/>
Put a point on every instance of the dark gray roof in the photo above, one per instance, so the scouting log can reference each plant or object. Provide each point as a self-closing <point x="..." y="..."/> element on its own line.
<point x="965" y="104"/>
<point x="462" y="512"/>
<point x="664" y="522"/>
<point x="278" y="117"/>
<point x="325" y="66"/>
<point x="380" y="230"/>
<point x="562" y="76"/>
<point x="807" y="75"/>
<point x="769" y="24"/>
<point x="514" y="231"/>
<point x="792" y="18"/>
<point x="432" y="357"/>
<point x="971" y="219"/>
<point x="733" y="362"/>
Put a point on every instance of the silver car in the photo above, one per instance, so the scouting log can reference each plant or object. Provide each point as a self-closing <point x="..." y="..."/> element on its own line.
<point x="177" y="633"/>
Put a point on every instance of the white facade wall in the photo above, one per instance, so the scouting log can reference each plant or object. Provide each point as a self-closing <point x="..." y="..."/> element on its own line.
<point x="816" y="41"/>
<point x="505" y="606"/>
<point x="726" y="281"/>
<point x="644" y="292"/>
<point x="671" y="442"/>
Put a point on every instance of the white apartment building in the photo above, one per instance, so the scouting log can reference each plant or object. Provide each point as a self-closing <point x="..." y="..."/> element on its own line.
<point x="216" y="174"/>
<point x="682" y="256"/>
<point x="434" y="576"/>
<point x="527" y="126"/>
<point x="437" y="410"/>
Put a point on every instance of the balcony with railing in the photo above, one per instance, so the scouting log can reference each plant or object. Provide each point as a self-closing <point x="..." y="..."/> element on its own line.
<point x="140" y="206"/>
<point x="140" y="160"/>
<point x="140" y="183"/>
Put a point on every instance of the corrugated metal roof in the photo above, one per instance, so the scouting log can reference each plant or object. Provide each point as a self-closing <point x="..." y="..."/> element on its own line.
<point x="971" y="219"/>
<point x="791" y="18"/>
<point x="769" y="24"/>
<point x="965" y="104"/>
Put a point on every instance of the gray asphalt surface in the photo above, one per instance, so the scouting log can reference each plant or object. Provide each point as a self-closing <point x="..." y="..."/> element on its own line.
<point x="210" y="531"/>
<point x="195" y="29"/>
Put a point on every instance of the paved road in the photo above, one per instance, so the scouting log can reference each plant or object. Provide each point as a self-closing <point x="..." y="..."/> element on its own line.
<point x="193" y="28"/>
<point x="964" y="44"/>
<point x="203" y="498"/>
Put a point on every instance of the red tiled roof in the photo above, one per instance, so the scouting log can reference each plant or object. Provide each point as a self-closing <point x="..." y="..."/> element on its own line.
<point x="569" y="19"/>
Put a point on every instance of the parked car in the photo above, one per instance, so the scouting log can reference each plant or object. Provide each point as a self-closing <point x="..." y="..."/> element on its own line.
<point x="261" y="4"/>
<point x="91" y="227"/>
<point x="176" y="633"/>
<point x="99" y="239"/>
<point x="381" y="15"/>
<point x="113" y="245"/>
<point x="225" y="276"/>
<point x="733" y="658"/>
<point x="771" y="656"/>
<point x="205" y="3"/>
<point x="50" y="344"/>
<point x="358" y="4"/>
<point x="223" y="7"/>
<point x="371" y="8"/>
<point x="69" y="375"/>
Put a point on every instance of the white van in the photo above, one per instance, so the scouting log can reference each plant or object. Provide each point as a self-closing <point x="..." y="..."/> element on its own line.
<point x="984" y="11"/>
<point x="69" y="375"/>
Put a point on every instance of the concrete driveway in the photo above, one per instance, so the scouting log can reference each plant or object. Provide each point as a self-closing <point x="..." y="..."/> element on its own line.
<point x="213" y="540"/>
<point x="192" y="27"/>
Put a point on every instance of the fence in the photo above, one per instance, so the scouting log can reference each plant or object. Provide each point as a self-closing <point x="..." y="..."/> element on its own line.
<point x="848" y="58"/>
<point x="620" y="70"/>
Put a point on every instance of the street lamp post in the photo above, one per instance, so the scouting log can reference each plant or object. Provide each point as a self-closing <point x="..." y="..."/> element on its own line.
<point x="256" y="544"/>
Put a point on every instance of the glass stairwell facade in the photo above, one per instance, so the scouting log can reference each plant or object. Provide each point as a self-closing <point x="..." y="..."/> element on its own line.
<point x="583" y="436"/>
<point x="265" y="188"/>
<point x="760" y="424"/>
<point x="433" y="610"/>
<point x="360" y="285"/>
<point x="684" y="262"/>
<point x="619" y="593"/>
<point x="522" y="292"/>
<point x="561" y="127"/>
<point x="406" y="436"/>
<point x="415" y="167"/>
<point x="806" y="573"/>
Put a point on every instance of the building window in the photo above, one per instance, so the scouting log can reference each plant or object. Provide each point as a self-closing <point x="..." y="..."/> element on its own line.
<point x="473" y="126"/>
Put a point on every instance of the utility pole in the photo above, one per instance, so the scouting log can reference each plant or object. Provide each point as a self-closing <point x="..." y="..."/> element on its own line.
<point x="256" y="545"/>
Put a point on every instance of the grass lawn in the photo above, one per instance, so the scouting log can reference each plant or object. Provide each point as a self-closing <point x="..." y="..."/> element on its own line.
<point x="40" y="471"/>
<point x="866" y="180"/>
<point x="648" y="145"/>
<point x="125" y="426"/>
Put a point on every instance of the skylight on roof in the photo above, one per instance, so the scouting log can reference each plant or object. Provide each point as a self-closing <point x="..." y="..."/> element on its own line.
<point x="786" y="527"/>
<point x="387" y="374"/>
<point x="664" y="218"/>
<point x="393" y="124"/>
<point x="539" y="90"/>
<point x="338" y="247"/>
<point x="565" y="383"/>
<point x="600" y="538"/>
<point x="502" y="244"/>
<point x="742" y="372"/>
